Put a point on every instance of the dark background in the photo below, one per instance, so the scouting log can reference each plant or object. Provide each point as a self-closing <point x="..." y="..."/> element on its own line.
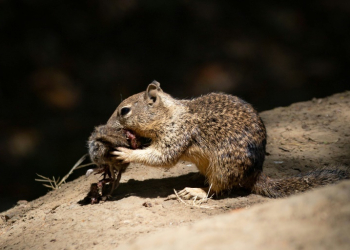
<point x="66" y="65"/>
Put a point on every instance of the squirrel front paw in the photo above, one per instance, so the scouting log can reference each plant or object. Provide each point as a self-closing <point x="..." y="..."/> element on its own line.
<point x="123" y="154"/>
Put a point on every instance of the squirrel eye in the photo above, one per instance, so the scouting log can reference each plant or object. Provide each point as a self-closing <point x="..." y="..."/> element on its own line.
<point x="124" y="111"/>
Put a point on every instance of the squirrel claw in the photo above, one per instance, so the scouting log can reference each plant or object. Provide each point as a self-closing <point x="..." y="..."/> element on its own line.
<point x="122" y="154"/>
<point x="89" y="172"/>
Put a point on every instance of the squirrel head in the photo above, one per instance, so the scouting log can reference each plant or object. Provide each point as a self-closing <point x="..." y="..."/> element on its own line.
<point x="144" y="112"/>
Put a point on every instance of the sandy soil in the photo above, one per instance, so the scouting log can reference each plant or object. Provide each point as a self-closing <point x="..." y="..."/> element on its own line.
<point x="301" y="137"/>
<point x="315" y="220"/>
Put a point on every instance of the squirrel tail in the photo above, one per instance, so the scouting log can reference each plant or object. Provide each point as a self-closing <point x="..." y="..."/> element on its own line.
<point x="276" y="188"/>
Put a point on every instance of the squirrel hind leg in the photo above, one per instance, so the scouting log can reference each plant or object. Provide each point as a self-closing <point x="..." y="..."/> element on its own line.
<point x="191" y="193"/>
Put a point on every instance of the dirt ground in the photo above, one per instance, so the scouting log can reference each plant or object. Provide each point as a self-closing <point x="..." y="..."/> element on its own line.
<point x="301" y="137"/>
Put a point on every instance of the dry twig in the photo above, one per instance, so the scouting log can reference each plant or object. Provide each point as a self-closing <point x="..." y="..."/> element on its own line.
<point x="57" y="183"/>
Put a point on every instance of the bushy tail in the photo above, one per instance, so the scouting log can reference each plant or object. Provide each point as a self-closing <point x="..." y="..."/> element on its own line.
<point x="276" y="188"/>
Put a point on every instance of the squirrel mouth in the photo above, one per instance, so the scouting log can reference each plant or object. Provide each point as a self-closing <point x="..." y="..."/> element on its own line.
<point x="137" y="141"/>
<point x="132" y="138"/>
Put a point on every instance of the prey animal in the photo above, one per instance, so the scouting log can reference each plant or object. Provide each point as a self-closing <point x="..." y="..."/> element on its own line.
<point x="101" y="143"/>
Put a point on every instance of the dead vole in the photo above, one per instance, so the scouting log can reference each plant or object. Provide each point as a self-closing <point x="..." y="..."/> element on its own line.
<point x="102" y="142"/>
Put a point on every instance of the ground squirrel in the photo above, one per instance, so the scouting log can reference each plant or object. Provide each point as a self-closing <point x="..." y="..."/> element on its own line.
<point x="220" y="133"/>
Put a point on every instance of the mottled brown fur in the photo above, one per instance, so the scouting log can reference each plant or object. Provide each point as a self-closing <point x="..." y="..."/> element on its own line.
<point x="289" y="185"/>
<point x="222" y="134"/>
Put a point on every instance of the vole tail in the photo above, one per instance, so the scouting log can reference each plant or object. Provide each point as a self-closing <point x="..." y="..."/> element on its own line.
<point x="282" y="187"/>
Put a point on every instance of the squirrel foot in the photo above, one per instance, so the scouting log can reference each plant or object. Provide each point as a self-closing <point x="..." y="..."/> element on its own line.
<point x="190" y="193"/>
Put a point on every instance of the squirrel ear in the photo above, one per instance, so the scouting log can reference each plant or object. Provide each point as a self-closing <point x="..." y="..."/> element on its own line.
<point x="152" y="91"/>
